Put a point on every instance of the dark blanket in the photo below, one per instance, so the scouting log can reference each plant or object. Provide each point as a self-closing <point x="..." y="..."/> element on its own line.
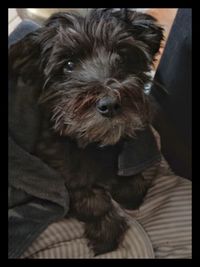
<point x="37" y="195"/>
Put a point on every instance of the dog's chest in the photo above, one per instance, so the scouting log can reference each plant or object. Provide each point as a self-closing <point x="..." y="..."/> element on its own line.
<point x="79" y="167"/>
<point x="93" y="164"/>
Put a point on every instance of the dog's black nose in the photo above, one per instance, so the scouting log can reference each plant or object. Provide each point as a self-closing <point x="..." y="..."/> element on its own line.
<point x="108" y="106"/>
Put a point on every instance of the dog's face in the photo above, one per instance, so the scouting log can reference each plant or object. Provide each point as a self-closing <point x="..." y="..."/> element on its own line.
<point x="94" y="70"/>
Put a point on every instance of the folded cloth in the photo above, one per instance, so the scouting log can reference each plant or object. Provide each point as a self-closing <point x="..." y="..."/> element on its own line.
<point x="65" y="239"/>
<point x="37" y="194"/>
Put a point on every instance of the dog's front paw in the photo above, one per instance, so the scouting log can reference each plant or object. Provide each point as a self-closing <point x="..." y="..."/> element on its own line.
<point x="105" y="234"/>
<point x="90" y="204"/>
<point x="130" y="193"/>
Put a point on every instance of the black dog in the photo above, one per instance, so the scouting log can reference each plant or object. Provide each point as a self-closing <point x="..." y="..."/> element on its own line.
<point x="88" y="74"/>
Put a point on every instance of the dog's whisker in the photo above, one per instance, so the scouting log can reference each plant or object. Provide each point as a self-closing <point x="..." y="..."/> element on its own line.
<point x="48" y="96"/>
<point x="118" y="95"/>
<point x="46" y="82"/>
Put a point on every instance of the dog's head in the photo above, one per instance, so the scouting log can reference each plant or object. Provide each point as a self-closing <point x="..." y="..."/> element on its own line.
<point x="92" y="71"/>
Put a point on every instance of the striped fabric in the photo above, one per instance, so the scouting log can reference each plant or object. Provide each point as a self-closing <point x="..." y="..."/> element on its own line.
<point x="160" y="228"/>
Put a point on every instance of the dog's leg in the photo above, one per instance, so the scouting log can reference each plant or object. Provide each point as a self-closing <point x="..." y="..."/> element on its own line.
<point x="129" y="192"/>
<point x="104" y="227"/>
<point x="106" y="232"/>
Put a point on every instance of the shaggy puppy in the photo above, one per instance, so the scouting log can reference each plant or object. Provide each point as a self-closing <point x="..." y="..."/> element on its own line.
<point x="88" y="75"/>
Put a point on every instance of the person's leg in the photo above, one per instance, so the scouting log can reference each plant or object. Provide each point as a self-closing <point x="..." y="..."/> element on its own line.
<point x="173" y="95"/>
<point x="166" y="215"/>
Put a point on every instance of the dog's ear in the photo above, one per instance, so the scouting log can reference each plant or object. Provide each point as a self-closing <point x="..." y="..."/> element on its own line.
<point x="145" y="28"/>
<point x="62" y="19"/>
<point x="30" y="55"/>
<point x="142" y="26"/>
<point x="27" y="56"/>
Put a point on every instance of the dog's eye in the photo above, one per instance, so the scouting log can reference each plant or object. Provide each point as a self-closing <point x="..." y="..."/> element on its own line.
<point x="123" y="60"/>
<point x="69" y="66"/>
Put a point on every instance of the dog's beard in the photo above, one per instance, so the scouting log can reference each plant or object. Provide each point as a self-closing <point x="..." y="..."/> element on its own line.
<point x="87" y="126"/>
<point x="104" y="131"/>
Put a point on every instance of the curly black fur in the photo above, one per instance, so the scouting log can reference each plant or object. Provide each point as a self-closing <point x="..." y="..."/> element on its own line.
<point x="74" y="62"/>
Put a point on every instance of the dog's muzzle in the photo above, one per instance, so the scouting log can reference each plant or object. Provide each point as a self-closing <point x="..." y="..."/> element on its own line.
<point x="108" y="106"/>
